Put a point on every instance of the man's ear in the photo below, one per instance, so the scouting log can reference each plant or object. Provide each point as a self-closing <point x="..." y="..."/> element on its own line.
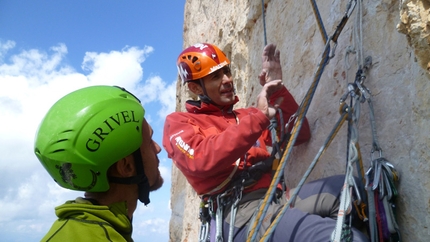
<point x="195" y="88"/>
<point x="125" y="167"/>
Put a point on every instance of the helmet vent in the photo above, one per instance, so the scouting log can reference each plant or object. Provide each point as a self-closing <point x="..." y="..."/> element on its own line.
<point x="59" y="150"/>
<point x="57" y="143"/>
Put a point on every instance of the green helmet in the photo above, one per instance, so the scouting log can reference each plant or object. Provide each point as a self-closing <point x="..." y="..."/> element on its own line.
<point x="87" y="131"/>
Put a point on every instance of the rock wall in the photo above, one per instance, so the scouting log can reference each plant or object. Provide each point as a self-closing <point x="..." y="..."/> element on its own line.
<point x="394" y="34"/>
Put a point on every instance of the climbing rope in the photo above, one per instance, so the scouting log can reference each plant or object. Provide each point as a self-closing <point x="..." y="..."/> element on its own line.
<point x="319" y="21"/>
<point x="344" y="114"/>
<point x="264" y="22"/>
<point x="377" y="187"/>
<point x="303" y="108"/>
<point x="363" y="67"/>
<point x="359" y="94"/>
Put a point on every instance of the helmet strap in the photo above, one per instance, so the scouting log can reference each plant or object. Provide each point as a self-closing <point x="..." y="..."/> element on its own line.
<point x="143" y="183"/>
<point x="205" y="98"/>
<point x="140" y="179"/>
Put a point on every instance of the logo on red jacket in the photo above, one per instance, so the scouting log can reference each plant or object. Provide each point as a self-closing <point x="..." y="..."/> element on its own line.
<point x="184" y="147"/>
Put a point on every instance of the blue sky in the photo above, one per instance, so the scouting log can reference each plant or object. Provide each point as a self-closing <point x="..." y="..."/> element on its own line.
<point x="50" y="48"/>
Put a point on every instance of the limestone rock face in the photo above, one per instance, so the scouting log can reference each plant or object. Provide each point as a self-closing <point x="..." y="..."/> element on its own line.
<point x="415" y="24"/>
<point x="396" y="37"/>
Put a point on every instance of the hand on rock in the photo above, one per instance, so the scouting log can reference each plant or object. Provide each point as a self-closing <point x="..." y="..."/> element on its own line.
<point x="271" y="65"/>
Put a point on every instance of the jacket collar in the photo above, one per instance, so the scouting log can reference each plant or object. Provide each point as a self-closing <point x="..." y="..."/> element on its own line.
<point x="193" y="106"/>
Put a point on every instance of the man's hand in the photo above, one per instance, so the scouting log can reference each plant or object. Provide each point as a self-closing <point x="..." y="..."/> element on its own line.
<point x="271" y="65"/>
<point x="263" y="98"/>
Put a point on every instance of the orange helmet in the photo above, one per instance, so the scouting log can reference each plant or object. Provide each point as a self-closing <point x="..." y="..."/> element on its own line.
<point x="200" y="60"/>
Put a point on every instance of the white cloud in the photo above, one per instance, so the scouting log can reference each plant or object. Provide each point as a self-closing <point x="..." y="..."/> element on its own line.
<point x="116" y="67"/>
<point x="156" y="225"/>
<point x="168" y="100"/>
<point x="165" y="173"/>
<point x="37" y="66"/>
<point x="5" y="47"/>
<point x="155" y="89"/>
<point x="32" y="80"/>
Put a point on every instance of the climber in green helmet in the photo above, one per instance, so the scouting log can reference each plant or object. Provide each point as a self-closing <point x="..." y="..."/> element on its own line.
<point x="97" y="140"/>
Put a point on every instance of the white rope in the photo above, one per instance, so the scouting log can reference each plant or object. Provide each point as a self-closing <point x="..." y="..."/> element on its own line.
<point x="345" y="198"/>
<point x="349" y="183"/>
<point x="357" y="46"/>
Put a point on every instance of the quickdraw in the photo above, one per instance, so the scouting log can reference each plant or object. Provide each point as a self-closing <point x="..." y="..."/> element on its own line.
<point x="382" y="192"/>
<point x="212" y="209"/>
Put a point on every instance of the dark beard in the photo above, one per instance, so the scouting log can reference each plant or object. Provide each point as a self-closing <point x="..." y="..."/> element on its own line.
<point x="158" y="183"/>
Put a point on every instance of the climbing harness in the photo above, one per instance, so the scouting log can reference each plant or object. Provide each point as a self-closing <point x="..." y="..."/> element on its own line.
<point x="212" y="208"/>
<point x="212" y="204"/>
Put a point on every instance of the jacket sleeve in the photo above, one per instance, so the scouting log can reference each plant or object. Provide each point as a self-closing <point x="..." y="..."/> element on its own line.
<point x="289" y="106"/>
<point x="208" y="151"/>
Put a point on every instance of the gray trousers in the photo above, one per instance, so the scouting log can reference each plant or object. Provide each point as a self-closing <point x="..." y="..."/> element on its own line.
<point x="312" y="218"/>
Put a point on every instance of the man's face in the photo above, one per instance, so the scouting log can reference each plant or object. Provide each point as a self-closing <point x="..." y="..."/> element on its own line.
<point x="219" y="87"/>
<point x="149" y="150"/>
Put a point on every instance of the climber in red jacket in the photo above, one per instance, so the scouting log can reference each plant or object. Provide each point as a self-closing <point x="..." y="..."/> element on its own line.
<point x="214" y="145"/>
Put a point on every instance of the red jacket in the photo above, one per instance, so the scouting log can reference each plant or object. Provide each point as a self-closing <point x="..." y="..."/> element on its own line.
<point x="205" y="142"/>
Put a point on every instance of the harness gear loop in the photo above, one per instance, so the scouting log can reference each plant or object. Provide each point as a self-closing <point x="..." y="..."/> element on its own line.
<point x="205" y="215"/>
<point x="219" y="218"/>
<point x="234" y="206"/>
<point x="212" y="206"/>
